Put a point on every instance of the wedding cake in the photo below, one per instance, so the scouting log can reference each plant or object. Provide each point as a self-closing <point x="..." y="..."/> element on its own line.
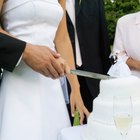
<point x="101" y="124"/>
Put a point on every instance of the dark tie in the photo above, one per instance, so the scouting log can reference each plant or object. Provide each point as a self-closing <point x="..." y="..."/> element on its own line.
<point x="76" y="1"/>
<point x="77" y="6"/>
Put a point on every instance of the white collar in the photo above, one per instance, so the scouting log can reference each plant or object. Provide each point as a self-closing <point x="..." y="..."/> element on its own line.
<point x="70" y="7"/>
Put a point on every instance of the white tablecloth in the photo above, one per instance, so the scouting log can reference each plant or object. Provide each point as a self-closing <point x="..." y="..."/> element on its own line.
<point x="72" y="133"/>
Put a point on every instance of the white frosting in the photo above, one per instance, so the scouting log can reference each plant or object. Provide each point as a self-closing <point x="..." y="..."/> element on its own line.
<point x="100" y="122"/>
<point x="120" y="86"/>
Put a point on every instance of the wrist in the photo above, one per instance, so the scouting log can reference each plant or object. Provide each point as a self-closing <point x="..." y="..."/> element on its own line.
<point x="26" y="51"/>
<point x="75" y="88"/>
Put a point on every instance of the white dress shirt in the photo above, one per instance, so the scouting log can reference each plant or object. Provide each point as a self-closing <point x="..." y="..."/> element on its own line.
<point x="70" y="7"/>
<point x="127" y="38"/>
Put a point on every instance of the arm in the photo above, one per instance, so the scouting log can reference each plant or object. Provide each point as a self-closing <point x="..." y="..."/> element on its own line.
<point x="118" y="46"/>
<point x="133" y="64"/>
<point x="39" y="58"/>
<point x="9" y="56"/>
<point x="63" y="46"/>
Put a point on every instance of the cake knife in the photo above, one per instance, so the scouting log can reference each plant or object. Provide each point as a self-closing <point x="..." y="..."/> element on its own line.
<point x="91" y="74"/>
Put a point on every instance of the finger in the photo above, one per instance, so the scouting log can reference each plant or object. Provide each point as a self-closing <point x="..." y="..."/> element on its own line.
<point x="58" y="68"/>
<point x="46" y="73"/>
<point x="53" y="72"/>
<point x="72" y="109"/>
<point x="87" y="113"/>
<point x="62" y="63"/>
<point x="81" y="117"/>
<point x="67" y="69"/>
<point x="55" y="54"/>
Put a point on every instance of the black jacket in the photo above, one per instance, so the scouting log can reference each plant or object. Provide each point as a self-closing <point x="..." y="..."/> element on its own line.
<point x="93" y="39"/>
<point x="10" y="51"/>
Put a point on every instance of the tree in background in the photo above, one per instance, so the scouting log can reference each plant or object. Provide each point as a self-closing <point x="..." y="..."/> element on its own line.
<point x="115" y="9"/>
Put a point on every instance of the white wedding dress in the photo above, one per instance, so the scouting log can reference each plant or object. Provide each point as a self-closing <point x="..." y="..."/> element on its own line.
<point x="32" y="107"/>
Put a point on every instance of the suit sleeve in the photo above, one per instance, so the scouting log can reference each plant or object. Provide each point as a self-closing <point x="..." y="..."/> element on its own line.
<point x="11" y="50"/>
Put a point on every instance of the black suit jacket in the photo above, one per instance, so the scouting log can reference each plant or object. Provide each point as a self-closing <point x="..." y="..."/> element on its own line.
<point x="93" y="39"/>
<point x="10" y="51"/>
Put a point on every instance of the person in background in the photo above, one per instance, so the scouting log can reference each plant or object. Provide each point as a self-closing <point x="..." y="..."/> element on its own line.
<point x="32" y="105"/>
<point x="126" y="42"/>
<point x="88" y="33"/>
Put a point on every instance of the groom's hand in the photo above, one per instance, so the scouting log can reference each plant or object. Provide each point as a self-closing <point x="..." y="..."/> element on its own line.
<point x="43" y="60"/>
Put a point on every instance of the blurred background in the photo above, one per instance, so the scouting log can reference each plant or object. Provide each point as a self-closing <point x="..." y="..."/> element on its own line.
<point x="114" y="9"/>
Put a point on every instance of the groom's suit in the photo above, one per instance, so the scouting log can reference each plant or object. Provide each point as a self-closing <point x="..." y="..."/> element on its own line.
<point x="94" y="45"/>
<point x="11" y="50"/>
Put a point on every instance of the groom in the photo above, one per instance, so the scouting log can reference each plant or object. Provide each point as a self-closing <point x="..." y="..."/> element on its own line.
<point x="12" y="50"/>
<point x="88" y="33"/>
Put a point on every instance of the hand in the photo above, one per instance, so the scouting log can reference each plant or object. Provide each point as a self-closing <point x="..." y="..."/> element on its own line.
<point x="43" y="60"/>
<point x="64" y="65"/>
<point x="76" y="103"/>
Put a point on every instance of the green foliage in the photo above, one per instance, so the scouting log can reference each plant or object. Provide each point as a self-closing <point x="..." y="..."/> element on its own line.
<point x="116" y="9"/>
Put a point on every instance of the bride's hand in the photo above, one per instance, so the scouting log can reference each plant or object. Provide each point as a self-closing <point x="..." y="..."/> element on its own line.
<point x="76" y="103"/>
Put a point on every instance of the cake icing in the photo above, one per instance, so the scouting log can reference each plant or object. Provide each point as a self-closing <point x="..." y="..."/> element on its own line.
<point x="101" y="124"/>
<point x="123" y="86"/>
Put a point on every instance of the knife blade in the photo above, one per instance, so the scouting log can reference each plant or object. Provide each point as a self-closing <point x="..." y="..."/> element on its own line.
<point x="90" y="74"/>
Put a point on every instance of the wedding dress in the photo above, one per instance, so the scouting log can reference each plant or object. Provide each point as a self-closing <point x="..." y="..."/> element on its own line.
<point x="32" y="107"/>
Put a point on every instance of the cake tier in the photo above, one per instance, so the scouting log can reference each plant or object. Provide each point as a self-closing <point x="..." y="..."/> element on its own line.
<point x="101" y="125"/>
<point x="103" y="110"/>
<point x="100" y="131"/>
<point x="120" y="86"/>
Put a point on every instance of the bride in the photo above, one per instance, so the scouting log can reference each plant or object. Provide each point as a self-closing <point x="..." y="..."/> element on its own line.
<point x="32" y="106"/>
